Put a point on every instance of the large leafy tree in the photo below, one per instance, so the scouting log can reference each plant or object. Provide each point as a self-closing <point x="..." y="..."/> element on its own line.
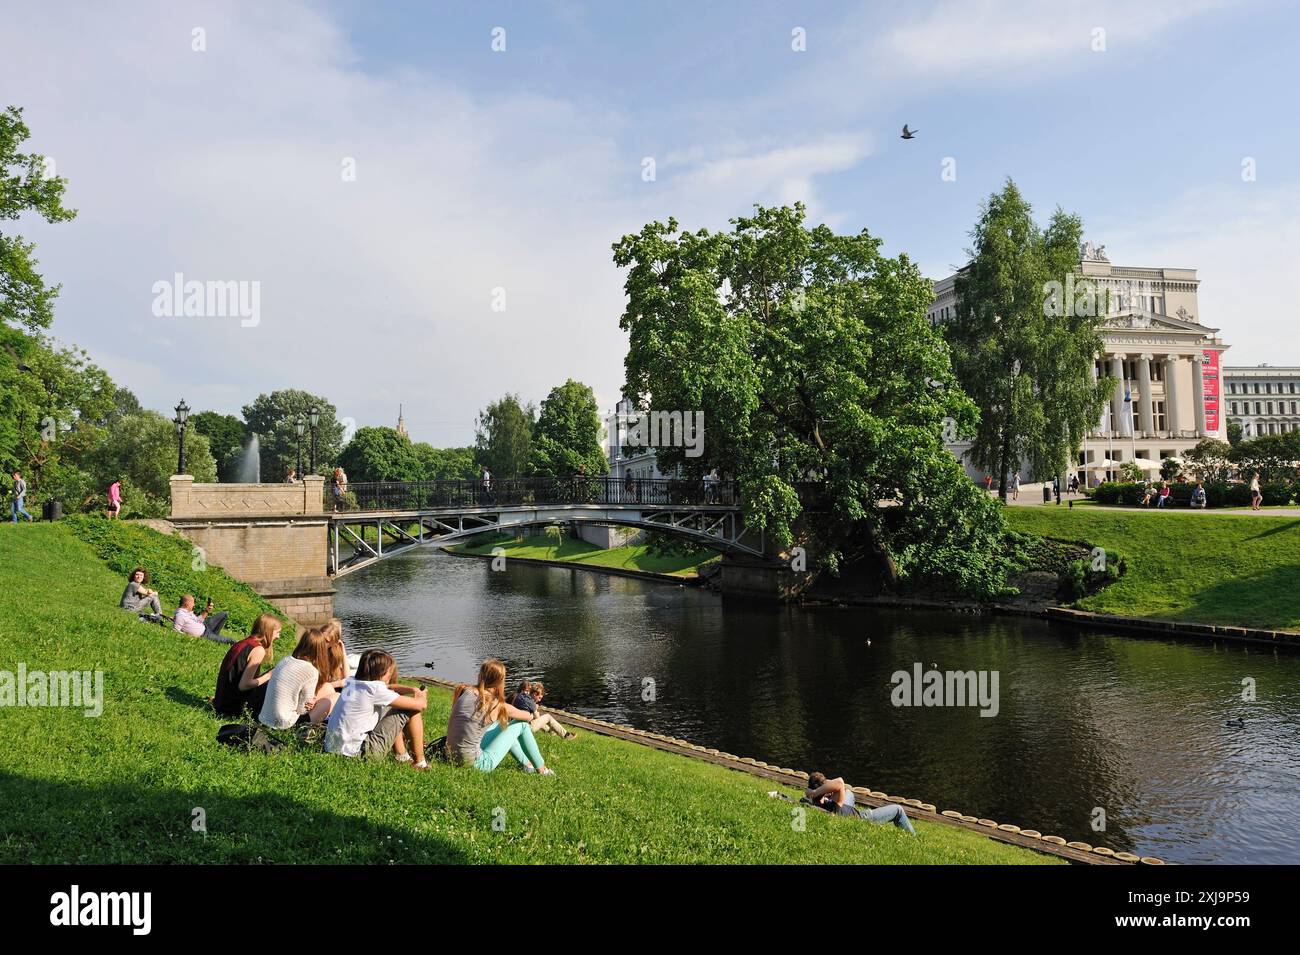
<point x="380" y="454"/>
<point x="1024" y="340"/>
<point x="272" y="418"/>
<point x="225" y="434"/>
<point x="503" y="437"/>
<point x="822" y="382"/>
<point x="25" y="186"/>
<point x="567" y="437"/>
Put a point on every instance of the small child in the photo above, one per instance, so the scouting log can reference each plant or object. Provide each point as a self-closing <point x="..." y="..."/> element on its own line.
<point x="527" y="698"/>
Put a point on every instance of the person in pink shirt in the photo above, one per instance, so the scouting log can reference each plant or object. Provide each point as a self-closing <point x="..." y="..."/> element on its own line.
<point x="114" y="499"/>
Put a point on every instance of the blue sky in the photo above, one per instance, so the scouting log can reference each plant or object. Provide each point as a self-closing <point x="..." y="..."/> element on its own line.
<point x="480" y="170"/>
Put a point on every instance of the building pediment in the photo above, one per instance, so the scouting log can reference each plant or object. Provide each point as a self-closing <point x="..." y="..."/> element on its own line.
<point x="1135" y="320"/>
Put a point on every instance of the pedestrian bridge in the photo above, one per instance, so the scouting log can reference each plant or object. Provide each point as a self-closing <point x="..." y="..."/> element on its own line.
<point x="375" y="521"/>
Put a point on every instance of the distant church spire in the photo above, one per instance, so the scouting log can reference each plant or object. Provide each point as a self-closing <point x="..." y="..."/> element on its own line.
<point x="401" y="424"/>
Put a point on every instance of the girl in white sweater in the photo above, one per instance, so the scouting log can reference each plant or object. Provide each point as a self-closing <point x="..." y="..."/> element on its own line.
<point x="300" y="690"/>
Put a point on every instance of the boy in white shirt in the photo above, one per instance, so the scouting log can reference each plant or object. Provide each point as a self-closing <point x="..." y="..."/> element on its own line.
<point x="374" y="714"/>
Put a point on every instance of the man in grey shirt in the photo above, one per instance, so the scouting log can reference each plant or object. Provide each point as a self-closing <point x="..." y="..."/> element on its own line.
<point x="20" y="491"/>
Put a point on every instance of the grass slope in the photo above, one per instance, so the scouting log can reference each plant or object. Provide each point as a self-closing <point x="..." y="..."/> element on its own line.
<point x="1231" y="569"/>
<point x="125" y="787"/>
<point x="633" y="557"/>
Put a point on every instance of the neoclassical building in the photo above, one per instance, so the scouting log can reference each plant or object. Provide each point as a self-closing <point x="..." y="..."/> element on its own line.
<point x="1166" y="360"/>
<point x="1264" y="399"/>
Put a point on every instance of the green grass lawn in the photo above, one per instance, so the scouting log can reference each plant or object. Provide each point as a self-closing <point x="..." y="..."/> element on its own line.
<point x="1203" y="567"/>
<point x="128" y="785"/>
<point x="574" y="550"/>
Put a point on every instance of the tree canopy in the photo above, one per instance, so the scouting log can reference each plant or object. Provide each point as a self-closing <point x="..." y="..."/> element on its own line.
<point x="503" y="437"/>
<point x="25" y="186"/>
<point x="1024" y="339"/>
<point x="272" y="418"/>
<point x="812" y="357"/>
<point x="567" y="436"/>
<point x="225" y="434"/>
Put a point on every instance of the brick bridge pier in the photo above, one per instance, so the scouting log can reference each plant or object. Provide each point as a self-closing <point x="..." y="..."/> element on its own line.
<point x="273" y="537"/>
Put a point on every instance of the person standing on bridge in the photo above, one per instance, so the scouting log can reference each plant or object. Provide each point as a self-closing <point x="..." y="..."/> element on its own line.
<point x="487" y="484"/>
<point x="339" y="486"/>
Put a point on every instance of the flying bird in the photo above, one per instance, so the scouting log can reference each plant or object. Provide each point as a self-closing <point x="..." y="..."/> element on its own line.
<point x="908" y="133"/>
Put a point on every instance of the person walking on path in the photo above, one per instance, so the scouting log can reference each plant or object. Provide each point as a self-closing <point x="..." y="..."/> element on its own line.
<point x="20" y="492"/>
<point x="1015" y="486"/>
<point x="1256" y="495"/>
<point x="114" y="499"/>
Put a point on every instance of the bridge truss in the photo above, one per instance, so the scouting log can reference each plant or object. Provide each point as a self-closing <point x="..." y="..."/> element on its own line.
<point x="396" y="531"/>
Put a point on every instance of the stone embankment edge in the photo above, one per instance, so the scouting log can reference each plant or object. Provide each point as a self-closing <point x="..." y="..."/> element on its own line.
<point x="1078" y="852"/>
<point x="1082" y="618"/>
<point x="594" y="568"/>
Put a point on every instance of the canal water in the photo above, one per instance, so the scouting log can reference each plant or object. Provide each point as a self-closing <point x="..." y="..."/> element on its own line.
<point x="1153" y="732"/>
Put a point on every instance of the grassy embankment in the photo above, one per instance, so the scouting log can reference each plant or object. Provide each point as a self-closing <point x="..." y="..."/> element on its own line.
<point x="634" y="557"/>
<point x="125" y="786"/>
<point x="1200" y="567"/>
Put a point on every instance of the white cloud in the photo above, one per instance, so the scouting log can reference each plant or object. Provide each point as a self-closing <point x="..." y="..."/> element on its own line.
<point x="226" y="165"/>
<point x="964" y="37"/>
<point x="1244" y="240"/>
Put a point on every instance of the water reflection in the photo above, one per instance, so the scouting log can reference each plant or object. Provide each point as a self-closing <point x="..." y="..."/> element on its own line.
<point x="1087" y="721"/>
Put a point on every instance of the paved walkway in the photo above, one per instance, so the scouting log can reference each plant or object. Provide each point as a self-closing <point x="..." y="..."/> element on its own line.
<point x="1036" y="500"/>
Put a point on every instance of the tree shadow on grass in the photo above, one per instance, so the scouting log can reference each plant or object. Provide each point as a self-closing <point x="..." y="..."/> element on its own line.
<point x="47" y="821"/>
<point x="1268" y="600"/>
<point x="1280" y="529"/>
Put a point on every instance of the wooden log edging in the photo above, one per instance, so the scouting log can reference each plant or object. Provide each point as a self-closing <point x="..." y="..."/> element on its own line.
<point x="1032" y="839"/>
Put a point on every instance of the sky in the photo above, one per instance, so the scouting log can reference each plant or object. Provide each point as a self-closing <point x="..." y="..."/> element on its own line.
<point x="423" y="196"/>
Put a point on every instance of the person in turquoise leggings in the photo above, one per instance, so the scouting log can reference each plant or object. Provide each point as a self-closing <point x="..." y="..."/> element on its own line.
<point x="483" y="727"/>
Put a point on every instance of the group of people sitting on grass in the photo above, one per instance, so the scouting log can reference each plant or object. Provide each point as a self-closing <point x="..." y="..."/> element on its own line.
<point x="367" y="712"/>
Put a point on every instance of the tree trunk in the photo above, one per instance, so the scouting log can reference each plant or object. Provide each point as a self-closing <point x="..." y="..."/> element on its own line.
<point x="1004" y="461"/>
<point x="883" y="556"/>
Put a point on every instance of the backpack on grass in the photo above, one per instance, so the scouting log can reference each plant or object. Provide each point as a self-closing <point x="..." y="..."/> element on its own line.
<point x="248" y="736"/>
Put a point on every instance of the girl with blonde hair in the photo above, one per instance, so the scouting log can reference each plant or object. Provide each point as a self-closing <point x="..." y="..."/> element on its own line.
<point x="483" y="727"/>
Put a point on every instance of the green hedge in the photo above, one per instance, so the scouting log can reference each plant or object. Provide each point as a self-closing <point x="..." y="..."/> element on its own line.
<point x="173" y="569"/>
<point x="1217" y="494"/>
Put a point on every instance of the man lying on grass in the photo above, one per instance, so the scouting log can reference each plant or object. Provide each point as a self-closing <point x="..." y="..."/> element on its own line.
<point x="833" y="796"/>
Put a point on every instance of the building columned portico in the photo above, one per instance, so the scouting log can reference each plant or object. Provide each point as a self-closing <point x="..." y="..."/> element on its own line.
<point x="1166" y="364"/>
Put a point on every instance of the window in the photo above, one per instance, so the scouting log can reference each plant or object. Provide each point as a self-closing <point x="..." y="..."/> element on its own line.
<point x="1259" y="407"/>
<point x="1232" y="389"/>
<point x="1233" y="407"/>
<point x="1270" y="407"/>
<point x="1256" y="387"/>
<point x="1157" y="371"/>
<point x="1158" y="413"/>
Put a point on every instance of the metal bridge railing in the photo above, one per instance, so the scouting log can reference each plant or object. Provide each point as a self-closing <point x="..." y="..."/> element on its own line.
<point x="525" y="492"/>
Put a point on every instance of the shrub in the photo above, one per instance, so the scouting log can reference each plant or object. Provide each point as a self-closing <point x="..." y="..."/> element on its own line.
<point x="1084" y="576"/>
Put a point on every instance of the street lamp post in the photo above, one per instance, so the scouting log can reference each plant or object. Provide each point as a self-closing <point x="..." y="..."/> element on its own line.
<point x="182" y="417"/>
<point x="300" y="426"/>
<point x="314" y="418"/>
